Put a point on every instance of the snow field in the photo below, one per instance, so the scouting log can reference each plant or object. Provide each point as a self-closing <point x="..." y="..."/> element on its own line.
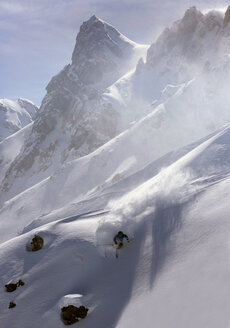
<point x="163" y="217"/>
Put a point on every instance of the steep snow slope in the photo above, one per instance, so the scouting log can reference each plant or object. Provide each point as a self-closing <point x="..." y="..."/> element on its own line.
<point x="161" y="131"/>
<point x="179" y="220"/>
<point x="188" y="278"/>
<point x="171" y="125"/>
<point x="11" y="146"/>
<point x="14" y="115"/>
<point x="72" y="121"/>
<point x="191" y="282"/>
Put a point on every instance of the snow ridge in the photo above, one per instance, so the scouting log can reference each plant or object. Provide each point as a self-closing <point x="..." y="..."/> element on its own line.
<point x="14" y="115"/>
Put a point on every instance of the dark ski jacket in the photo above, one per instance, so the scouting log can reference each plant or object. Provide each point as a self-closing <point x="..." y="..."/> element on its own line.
<point x="119" y="238"/>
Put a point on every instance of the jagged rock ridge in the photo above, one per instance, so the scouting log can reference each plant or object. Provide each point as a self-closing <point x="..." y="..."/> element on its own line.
<point x="72" y="120"/>
<point x="196" y="37"/>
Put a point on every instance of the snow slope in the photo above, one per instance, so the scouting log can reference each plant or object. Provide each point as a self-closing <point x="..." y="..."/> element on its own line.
<point x="11" y="146"/>
<point x="171" y="125"/>
<point x="191" y="286"/>
<point x="163" y="180"/>
<point x="14" y="115"/>
<point x="180" y="234"/>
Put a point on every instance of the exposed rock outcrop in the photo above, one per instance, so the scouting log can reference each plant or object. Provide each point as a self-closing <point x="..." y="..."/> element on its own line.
<point x="71" y="314"/>
<point x="194" y="38"/>
<point x="12" y="305"/>
<point x="12" y="287"/>
<point x="227" y="17"/>
<point x="36" y="244"/>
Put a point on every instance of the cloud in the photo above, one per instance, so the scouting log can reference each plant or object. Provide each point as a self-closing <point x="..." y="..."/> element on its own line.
<point x="221" y="9"/>
<point x="11" y="7"/>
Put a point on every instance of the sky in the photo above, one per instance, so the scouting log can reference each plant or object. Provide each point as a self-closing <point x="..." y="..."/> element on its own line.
<point x="37" y="37"/>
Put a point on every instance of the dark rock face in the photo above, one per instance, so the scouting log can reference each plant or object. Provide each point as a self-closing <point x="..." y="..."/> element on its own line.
<point x="12" y="287"/>
<point x="98" y="44"/>
<point x="12" y="305"/>
<point x="37" y="243"/>
<point x="20" y="283"/>
<point x="71" y="314"/>
<point x="227" y="17"/>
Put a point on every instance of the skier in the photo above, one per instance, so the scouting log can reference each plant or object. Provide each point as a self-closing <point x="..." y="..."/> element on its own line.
<point x="118" y="240"/>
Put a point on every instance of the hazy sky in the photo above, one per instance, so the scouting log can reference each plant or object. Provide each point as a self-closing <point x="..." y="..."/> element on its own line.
<point x="37" y="37"/>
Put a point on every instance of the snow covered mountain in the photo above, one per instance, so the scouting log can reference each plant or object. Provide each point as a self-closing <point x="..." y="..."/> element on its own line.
<point x="192" y="47"/>
<point x="72" y="120"/>
<point x="162" y="102"/>
<point x="117" y="146"/>
<point x="14" y="115"/>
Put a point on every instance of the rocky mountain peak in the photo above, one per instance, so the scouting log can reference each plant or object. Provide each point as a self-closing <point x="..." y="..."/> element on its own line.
<point x="91" y="23"/>
<point x="191" y="20"/>
<point x="191" y="38"/>
<point x="98" y="50"/>
<point x="101" y="55"/>
<point x="74" y="119"/>
<point x="92" y="27"/>
<point x="192" y="12"/>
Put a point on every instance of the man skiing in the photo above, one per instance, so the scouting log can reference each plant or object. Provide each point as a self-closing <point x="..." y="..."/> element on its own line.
<point x="118" y="240"/>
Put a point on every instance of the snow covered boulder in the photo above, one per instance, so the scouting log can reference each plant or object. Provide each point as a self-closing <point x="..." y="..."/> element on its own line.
<point x="71" y="314"/>
<point x="36" y="244"/>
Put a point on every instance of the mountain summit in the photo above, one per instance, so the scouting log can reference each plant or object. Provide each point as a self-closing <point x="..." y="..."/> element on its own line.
<point x="73" y="120"/>
<point x="196" y="37"/>
<point x="101" y="50"/>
